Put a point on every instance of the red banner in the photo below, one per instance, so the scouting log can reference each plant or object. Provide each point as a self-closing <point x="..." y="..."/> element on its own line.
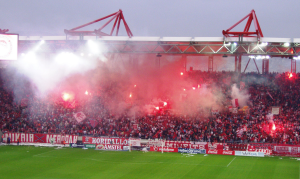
<point x="165" y="149"/>
<point x="40" y="138"/>
<point x="228" y="152"/>
<point x="104" y="140"/>
<point x="109" y="147"/>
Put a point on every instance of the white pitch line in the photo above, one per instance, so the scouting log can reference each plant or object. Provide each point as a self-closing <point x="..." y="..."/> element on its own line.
<point x="44" y="153"/>
<point x="231" y="161"/>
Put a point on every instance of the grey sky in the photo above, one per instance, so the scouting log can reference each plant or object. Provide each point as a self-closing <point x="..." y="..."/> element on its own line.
<point x="186" y="18"/>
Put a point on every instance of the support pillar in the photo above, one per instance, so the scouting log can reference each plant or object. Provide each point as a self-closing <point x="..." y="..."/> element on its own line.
<point x="265" y="66"/>
<point x="210" y="63"/>
<point x="249" y="62"/>
<point x="184" y="60"/>
<point x="157" y="61"/>
<point x="238" y="63"/>
<point x="293" y="66"/>
<point x="134" y="61"/>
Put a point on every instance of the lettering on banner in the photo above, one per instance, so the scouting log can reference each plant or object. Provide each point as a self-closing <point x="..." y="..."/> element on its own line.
<point x="115" y="141"/>
<point x="212" y="152"/>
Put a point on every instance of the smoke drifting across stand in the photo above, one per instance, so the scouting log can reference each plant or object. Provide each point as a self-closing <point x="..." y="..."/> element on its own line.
<point x="123" y="86"/>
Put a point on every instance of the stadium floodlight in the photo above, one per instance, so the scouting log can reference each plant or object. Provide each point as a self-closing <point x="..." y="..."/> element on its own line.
<point x="258" y="57"/>
<point x="296" y="58"/>
<point x="42" y="42"/>
<point x="251" y="56"/>
<point x="267" y="57"/>
<point x="235" y="43"/>
<point x="264" y="44"/>
<point x="82" y="54"/>
<point x="286" y="44"/>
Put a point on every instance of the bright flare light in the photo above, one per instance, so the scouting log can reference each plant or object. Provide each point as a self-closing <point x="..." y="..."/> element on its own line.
<point x="165" y="103"/>
<point x="181" y="73"/>
<point x="66" y="96"/>
<point x="194" y="88"/>
<point x="130" y="95"/>
<point x="86" y="93"/>
<point x="157" y="108"/>
<point x="274" y="128"/>
<point x="290" y="75"/>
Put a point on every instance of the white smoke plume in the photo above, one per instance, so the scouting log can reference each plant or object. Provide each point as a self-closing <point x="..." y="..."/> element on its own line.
<point x="241" y="95"/>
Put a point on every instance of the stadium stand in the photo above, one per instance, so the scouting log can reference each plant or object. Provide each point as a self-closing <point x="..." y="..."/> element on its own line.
<point x="34" y="115"/>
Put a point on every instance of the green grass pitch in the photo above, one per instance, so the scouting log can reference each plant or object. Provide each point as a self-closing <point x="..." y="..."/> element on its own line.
<point x="47" y="162"/>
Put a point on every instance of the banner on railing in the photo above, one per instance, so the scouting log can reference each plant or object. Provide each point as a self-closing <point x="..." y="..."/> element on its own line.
<point x="104" y="140"/>
<point x="135" y="142"/>
<point x="40" y="138"/>
<point x="287" y="149"/>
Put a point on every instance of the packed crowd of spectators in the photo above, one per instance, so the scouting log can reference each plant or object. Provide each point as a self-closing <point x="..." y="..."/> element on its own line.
<point x="34" y="115"/>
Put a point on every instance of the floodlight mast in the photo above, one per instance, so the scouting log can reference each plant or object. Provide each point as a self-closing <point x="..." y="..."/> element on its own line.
<point x="251" y="17"/>
<point x="258" y="33"/>
<point x="118" y="16"/>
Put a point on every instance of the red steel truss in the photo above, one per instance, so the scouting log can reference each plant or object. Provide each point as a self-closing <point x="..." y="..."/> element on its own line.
<point x="251" y="17"/>
<point x="118" y="16"/>
<point x="2" y="31"/>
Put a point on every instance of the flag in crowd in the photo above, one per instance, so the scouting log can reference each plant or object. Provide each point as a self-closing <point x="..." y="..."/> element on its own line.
<point x="235" y="103"/>
<point x="240" y="131"/>
<point x="79" y="116"/>
<point x="270" y="95"/>
<point x="93" y="123"/>
<point x="242" y="85"/>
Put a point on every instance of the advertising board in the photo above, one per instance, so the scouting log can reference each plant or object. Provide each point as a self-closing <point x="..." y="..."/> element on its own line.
<point x="195" y="151"/>
<point x="164" y="149"/>
<point x="90" y="146"/>
<point x="109" y="147"/>
<point x="76" y="145"/>
<point x="221" y="152"/>
<point x="249" y="154"/>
